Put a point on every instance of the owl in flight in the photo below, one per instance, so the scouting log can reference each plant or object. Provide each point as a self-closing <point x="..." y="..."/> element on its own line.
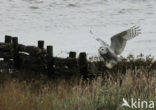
<point x="118" y="43"/>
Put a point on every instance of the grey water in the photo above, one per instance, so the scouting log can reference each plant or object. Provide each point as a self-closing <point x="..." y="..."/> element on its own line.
<point x="65" y="24"/>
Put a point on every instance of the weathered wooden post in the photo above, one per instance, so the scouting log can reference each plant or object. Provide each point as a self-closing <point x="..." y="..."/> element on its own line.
<point x="72" y="54"/>
<point x="50" y="63"/>
<point x="41" y="44"/>
<point x="50" y="51"/>
<point x="73" y="65"/>
<point x="8" y="39"/>
<point x="83" y="65"/>
<point x="17" y="62"/>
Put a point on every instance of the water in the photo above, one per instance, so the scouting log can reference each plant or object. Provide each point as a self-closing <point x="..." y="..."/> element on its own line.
<point x="65" y="24"/>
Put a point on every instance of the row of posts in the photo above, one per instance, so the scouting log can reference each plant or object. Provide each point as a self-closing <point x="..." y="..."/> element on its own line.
<point x="82" y="60"/>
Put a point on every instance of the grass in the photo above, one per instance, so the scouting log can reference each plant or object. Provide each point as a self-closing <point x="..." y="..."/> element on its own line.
<point x="73" y="95"/>
<point x="138" y="82"/>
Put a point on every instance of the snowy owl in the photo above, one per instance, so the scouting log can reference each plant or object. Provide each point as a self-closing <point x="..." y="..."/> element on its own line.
<point x="118" y="43"/>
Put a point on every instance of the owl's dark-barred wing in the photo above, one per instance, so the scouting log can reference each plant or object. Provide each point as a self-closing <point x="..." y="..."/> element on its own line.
<point x="118" y="41"/>
<point x="104" y="44"/>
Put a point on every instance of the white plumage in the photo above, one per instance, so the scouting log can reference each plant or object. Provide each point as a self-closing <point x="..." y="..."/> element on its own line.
<point x="118" y="43"/>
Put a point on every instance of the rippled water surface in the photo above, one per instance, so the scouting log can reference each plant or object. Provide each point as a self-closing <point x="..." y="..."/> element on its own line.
<point x="65" y="24"/>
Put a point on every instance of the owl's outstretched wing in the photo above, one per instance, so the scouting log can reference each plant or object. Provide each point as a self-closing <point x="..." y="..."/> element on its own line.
<point x="104" y="44"/>
<point x="118" y="41"/>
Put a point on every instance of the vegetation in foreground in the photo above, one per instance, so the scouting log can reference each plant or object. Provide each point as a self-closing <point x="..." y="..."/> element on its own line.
<point x="75" y="94"/>
<point x="71" y="95"/>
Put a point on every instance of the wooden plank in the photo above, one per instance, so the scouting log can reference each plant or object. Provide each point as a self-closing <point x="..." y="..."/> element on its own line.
<point x="32" y="50"/>
<point x="64" y="61"/>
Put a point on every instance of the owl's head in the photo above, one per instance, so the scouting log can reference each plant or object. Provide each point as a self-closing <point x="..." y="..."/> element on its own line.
<point x="103" y="50"/>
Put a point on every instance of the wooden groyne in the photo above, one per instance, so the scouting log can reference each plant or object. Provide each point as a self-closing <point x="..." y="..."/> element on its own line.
<point x="39" y="59"/>
<point x="16" y="56"/>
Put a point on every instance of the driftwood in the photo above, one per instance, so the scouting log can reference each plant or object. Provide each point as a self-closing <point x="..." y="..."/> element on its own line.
<point x="65" y="62"/>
